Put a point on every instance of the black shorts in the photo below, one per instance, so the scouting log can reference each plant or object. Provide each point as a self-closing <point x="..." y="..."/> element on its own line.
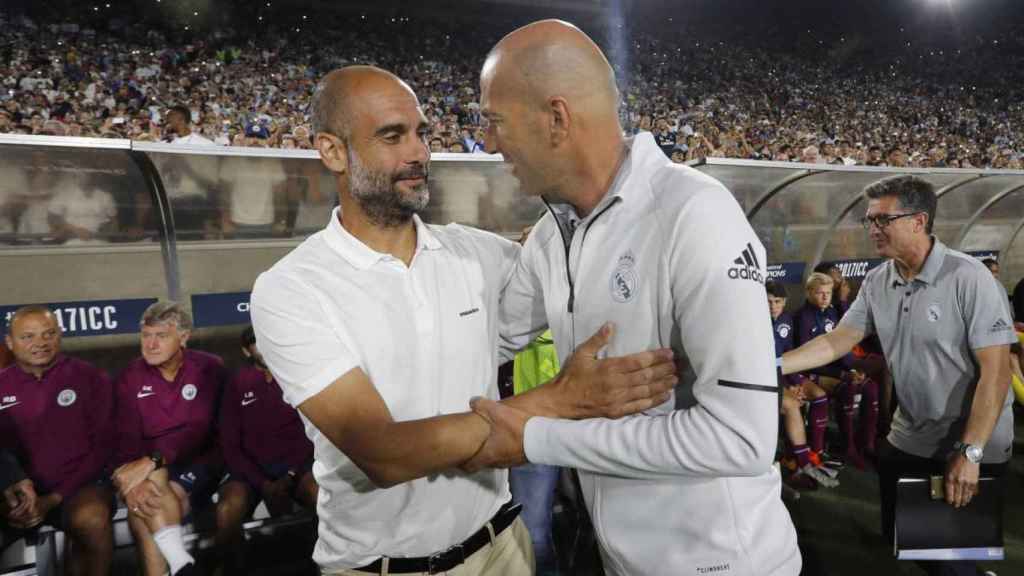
<point x="199" y="481"/>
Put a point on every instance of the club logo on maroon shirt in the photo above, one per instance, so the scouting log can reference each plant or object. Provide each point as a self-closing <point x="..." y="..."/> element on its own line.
<point x="189" y="392"/>
<point x="66" y="398"/>
<point x="248" y="398"/>
<point x="8" y="401"/>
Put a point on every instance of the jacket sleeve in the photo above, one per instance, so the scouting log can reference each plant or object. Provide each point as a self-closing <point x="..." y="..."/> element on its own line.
<point x="731" y="429"/>
<point x="10" y="470"/>
<point x="128" y="423"/>
<point x="238" y="462"/>
<point x="101" y="430"/>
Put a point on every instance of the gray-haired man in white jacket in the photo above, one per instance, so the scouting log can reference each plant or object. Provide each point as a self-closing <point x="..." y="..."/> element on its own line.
<point x="666" y="254"/>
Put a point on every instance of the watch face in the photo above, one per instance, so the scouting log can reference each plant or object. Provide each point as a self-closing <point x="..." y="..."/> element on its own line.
<point x="973" y="454"/>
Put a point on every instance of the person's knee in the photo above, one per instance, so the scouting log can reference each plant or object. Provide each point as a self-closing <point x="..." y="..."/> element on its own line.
<point x="90" y="521"/>
<point x="232" y="505"/>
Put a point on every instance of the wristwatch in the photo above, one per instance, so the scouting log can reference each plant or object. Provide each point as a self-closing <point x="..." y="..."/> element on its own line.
<point x="972" y="452"/>
<point x="157" y="459"/>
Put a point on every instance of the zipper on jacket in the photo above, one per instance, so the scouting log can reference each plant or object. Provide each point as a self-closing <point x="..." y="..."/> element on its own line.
<point x="568" y="246"/>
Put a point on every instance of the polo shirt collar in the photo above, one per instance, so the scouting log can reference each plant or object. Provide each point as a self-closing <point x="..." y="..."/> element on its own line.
<point x="362" y="256"/>
<point x="932" y="265"/>
<point x="57" y="361"/>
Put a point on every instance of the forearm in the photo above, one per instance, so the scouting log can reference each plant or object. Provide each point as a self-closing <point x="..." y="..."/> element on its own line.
<point x="397" y="452"/>
<point x="989" y="397"/>
<point x="818" y="352"/>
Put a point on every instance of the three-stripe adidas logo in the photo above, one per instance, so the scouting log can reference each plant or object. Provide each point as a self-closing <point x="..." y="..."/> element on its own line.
<point x="747" y="266"/>
<point x="1000" y="325"/>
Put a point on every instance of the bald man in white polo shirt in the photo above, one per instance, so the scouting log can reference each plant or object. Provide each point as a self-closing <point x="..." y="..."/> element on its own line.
<point x="381" y="328"/>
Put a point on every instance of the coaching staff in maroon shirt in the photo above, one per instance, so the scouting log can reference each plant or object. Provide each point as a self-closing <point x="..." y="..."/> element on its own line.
<point x="56" y="417"/>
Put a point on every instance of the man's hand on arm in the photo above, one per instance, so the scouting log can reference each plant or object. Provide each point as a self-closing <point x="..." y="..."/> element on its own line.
<point x="822" y="350"/>
<point x="129" y="475"/>
<point x="593" y="387"/>
<point x="504" y="445"/>
<point x="353" y="416"/>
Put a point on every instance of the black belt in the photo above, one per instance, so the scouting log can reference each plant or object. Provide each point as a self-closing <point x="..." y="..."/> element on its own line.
<point x="452" y="557"/>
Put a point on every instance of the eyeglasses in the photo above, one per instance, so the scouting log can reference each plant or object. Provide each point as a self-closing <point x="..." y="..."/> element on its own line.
<point x="882" y="221"/>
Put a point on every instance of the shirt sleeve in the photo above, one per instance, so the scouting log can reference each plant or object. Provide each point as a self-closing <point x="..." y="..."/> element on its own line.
<point x="303" y="353"/>
<point x="237" y="460"/>
<point x="726" y="333"/>
<point x="985" y="309"/>
<point x="10" y="470"/>
<point x="101" y="429"/>
<point x="858" y="316"/>
<point x="523" y="315"/>
<point x="128" y="428"/>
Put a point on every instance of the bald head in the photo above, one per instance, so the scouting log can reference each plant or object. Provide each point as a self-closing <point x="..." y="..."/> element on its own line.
<point x="340" y="95"/>
<point x="552" y="58"/>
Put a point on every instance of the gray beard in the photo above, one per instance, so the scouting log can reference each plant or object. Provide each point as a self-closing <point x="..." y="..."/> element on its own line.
<point x="379" y="198"/>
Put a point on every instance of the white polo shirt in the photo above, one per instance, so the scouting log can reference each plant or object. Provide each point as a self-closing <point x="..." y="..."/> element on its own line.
<point x="426" y="336"/>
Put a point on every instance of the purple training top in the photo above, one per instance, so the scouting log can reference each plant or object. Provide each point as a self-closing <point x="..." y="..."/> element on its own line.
<point x="259" y="429"/>
<point x="60" y="427"/>
<point x="177" y="418"/>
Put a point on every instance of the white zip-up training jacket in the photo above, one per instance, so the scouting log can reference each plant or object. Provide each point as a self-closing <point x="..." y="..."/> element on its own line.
<point x="669" y="257"/>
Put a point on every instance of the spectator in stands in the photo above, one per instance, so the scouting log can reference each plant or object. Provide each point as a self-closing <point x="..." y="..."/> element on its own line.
<point x="663" y="136"/>
<point x="809" y="155"/>
<point x="57" y="418"/>
<point x="457" y="147"/>
<point x="83" y="214"/>
<point x="178" y="128"/>
<point x="896" y="157"/>
<point x="266" y="452"/>
<point x="167" y="451"/>
<point x="436" y="145"/>
<point x="875" y="156"/>
<point x="253" y="193"/>
<point x="946" y="332"/>
<point x="807" y="464"/>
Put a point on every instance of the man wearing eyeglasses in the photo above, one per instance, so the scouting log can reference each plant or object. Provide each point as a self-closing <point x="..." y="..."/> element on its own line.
<point x="946" y="332"/>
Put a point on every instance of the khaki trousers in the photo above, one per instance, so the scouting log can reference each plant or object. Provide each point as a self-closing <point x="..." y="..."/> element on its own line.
<point x="508" y="554"/>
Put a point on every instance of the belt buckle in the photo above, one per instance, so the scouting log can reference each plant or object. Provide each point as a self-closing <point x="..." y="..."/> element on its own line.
<point x="434" y="563"/>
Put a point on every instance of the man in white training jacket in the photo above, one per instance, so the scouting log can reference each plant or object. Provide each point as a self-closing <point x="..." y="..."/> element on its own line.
<point x="666" y="254"/>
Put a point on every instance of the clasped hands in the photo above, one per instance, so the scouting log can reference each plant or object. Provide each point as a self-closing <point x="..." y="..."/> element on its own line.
<point x="586" y="387"/>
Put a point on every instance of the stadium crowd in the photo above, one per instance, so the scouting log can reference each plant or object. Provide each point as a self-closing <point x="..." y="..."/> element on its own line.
<point x="921" y="107"/>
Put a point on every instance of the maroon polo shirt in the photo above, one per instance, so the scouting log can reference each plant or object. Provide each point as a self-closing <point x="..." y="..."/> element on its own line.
<point x="60" y="426"/>
<point x="259" y="429"/>
<point x="177" y="418"/>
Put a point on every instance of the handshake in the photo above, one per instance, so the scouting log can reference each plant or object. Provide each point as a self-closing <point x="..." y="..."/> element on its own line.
<point x="586" y="387"/>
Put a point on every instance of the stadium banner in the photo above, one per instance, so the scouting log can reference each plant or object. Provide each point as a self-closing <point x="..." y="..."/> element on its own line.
<point x="787" y="272"/>
<point x="92" y="317"/>
<point x="225" y="309"/>
<point x="856" y="268"/>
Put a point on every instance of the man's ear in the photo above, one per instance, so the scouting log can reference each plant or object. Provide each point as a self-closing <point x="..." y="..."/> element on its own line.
<point x="333" y="152"/>
<point x="559" y="120"/>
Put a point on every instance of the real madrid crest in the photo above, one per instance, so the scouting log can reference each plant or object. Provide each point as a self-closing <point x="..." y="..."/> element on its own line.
<point x="66" y="397"/>
<point x="934" y="312"/>
<point x="189" y="392"/>
<point x="623" y="282"/>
